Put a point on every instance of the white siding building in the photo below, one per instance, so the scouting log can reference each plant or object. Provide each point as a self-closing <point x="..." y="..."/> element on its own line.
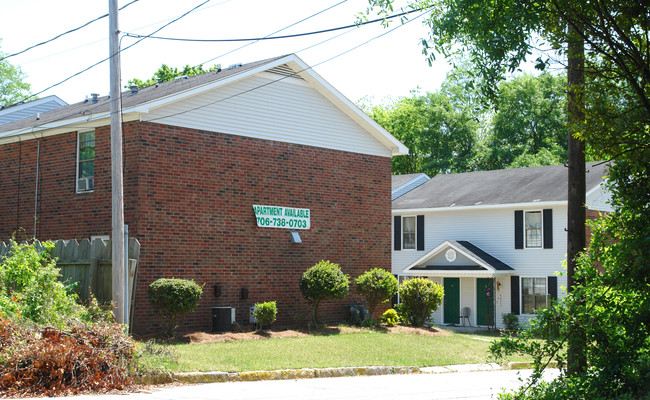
<point x="495" y="240"/>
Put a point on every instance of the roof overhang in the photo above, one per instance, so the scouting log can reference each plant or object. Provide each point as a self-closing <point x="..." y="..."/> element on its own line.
<point x="415" y="268"/>
<point x="537" y="204"/>
<point x="294" y="62"/>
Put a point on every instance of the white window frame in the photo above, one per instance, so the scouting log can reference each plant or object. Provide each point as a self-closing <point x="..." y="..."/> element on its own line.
<point x="521" y="294"/>
<point x="76" y="184"/>
<point x="415" y="232"/>
<point x="541" y="230"/>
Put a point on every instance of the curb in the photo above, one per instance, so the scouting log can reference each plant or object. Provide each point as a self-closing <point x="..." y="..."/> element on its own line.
<point x="309" y="373"/>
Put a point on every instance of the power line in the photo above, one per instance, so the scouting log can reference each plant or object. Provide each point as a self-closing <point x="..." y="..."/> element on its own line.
<point x="133" y="35"/>
<point x="278" y="31"/>
<point x="107" y="58"/>
<point x="65" y="33"/>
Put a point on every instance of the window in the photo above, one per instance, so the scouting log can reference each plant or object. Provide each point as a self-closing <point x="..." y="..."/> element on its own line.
<point x="86" y="161"/>
<point x="408" y="233"/>
<point x="533" y="226"/>
<point x="533" y="294"/>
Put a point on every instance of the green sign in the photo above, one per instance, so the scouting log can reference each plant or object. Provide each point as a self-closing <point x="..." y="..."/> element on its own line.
<point x="282" y="217"/>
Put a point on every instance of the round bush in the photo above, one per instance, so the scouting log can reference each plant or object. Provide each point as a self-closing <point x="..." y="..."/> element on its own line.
<point x="420" y="297"/>
<point x="324" y="280"/>
<point x="376" y="286"/>
<point x="265" y="313"/>
<point x="390" y="317"/>
<point x="173" y="299"/>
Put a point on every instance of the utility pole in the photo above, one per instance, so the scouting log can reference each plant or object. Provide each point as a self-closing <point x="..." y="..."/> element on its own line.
<point x="576" y="212"/>
<point x="117" y="237"/>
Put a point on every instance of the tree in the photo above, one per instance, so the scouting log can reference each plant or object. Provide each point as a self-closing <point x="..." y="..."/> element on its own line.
<point x="323" y="281"/>
<point x="173" y="298"/>
<point x="166" y="73"/>
<point x="441" y="138"/>
<point x="13" y="88"/>
<point x="608" y="60"/>
<point x="376" y="286"/>
<point x="530" y="117"/>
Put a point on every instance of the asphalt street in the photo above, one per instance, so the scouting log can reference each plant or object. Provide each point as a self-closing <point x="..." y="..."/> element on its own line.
<point x="459" y="385"/>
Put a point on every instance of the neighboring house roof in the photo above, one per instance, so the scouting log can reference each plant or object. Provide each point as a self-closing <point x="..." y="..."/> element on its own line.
<point x="148" y="99"/>
<point x="479" y="261"/>
<point x="402" y="184"/>
<point x="546" y="184"/>
<point x="31" y="109"/>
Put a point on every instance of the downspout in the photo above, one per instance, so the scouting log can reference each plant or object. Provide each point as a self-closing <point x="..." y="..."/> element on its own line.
<point x="20" y="162"/>
<point x="38" y="163"/>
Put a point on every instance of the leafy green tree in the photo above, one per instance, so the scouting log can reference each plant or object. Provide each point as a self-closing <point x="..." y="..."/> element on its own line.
<point x="323" y="281"/>
<point x="530" y="117"/>
<point x="376" y="286"/>
<point x="166" y="73"/>
<point x="13" y="87"/>
<point x="440" y="138"/>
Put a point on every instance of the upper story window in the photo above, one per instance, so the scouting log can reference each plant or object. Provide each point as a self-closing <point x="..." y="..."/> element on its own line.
<point x="408" y="233"/>
<point x="85" y="161"/>
<point x="533" y="295"/>
<point x="533" y="226"/>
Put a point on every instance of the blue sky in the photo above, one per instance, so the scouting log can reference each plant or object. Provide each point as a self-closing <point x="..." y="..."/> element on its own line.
<point x="388" y="66"/>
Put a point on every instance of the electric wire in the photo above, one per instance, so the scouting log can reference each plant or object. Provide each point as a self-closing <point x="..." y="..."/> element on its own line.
<point x="64" y="33"/>
<point x="133" y="35"/>
<point x="109" y="57"/>
<point x="273" y="33"/>
<point x="90" y="117"/>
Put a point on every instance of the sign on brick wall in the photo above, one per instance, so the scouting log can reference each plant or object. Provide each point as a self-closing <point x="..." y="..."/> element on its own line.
<point x="282" y="217"/>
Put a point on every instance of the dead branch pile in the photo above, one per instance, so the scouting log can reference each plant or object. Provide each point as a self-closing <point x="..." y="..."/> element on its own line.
<point x="53" y="362"/>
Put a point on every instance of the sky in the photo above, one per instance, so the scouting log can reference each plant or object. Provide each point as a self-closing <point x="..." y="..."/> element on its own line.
<point x="389" y="65"/>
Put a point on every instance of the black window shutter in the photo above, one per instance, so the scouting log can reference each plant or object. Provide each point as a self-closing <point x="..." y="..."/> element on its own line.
<point x="514" y="295"/>
<point x="548" y="228"/>
<point x="552" y="287"/>
<point x="397" y="237"/>
<point x="420" y="232"/>
<point x="519" y="229"/>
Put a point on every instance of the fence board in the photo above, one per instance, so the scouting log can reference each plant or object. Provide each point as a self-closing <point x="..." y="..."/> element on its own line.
<point x="89" y="266"/>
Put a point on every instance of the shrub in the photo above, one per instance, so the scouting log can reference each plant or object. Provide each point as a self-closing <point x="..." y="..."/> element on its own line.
<point x="323" y="281"/>
<point x="511" y="323"/>
<point x="420" y="297"/>
<point x="376" y="286"/>
<point x="390" y="317"/>
<point x="173" y="299"/>
<point x="30" y="289"/>
<point x="265" y="313"/>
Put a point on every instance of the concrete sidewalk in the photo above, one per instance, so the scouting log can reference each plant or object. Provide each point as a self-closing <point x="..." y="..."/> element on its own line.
<point x="308" y="373"/>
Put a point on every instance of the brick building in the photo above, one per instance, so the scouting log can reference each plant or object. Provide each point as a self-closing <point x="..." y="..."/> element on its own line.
<point x="199" y="153"/>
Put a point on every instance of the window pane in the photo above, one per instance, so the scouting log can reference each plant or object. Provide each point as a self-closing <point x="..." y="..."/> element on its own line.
<point x="527" y="296"/>
<point x="408" y="232"/>
<point x="86" y="169"/>
<point x="533" y="225"/>
<point x="86" y="154"/>
<point x="540" y="293"/>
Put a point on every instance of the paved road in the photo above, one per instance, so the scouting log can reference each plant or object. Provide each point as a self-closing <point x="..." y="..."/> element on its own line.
<point x="460" y="385"/>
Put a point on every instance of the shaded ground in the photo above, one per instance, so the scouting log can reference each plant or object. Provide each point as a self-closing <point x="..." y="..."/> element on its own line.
<point x="204" y="337"/>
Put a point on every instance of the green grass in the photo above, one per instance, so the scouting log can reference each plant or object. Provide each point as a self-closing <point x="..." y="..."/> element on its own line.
<point x="337" y="350"/>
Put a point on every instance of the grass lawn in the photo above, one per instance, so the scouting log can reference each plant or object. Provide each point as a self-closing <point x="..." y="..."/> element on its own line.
<point x="365" y="348"/>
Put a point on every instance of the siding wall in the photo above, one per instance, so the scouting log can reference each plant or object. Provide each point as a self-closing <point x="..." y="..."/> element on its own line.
<point x="492" y="230"/>
<point x="260" y="107"/>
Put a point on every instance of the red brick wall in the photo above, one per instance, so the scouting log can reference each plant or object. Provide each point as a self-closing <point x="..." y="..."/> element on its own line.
<point x="188" y="200"/>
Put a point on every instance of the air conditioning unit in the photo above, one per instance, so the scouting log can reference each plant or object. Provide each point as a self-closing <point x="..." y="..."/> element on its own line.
<point x="85" y="184"/>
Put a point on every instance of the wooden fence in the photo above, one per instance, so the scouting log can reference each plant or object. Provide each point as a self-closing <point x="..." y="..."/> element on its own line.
<point x="89" y="265"/>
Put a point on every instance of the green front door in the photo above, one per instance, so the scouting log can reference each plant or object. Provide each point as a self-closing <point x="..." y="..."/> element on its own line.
<point x="452" y="301"/>
<point x="485" y="301"/>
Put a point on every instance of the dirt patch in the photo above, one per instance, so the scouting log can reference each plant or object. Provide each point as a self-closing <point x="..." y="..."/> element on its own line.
<point x="205" y="337"/>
